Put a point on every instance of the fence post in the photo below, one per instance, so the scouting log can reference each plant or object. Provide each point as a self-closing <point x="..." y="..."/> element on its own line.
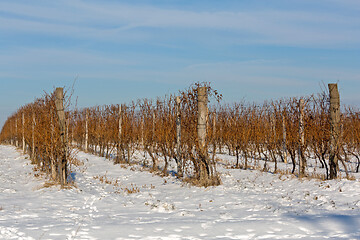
<point x="202" y="112"/>
<point x="153" y="142"/>
<point x="142" y="132"/>
<point x="11" y="134"/>
<point x="334" y="128"/>
<point x="201" y="129"/>
<point x="59" y="103"/>
<point x="214" y="135"/>
<point x="16" y="133"/>
<point x="284" y="137"/>
<point x="178" y="137"/>
<point x="86" y="130"/>
<point x="274" y="136"/>
<point x="53" y="166"/>
<point x="119" y="152"/>
<point x="302" y="160"/>
<point x="23" y="132"/>
<point x="33" y="138"/>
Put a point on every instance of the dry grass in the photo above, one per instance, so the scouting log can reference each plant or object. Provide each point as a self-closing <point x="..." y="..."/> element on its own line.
<point x="105" y="180"/>
<point x="51" y="183"/>
<point x="212" y="181"/>
<point x="351" y="178"/>
<point x="73" y="161"/>
<point x="119" y="188"/>
<point x="132" y="189"/>
<point x="151" y="186"/>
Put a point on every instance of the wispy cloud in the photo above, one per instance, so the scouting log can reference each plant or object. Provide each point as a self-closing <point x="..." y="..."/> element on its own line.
<point x="104" y="20"/>
<point x="347" y="4"/>
<point x="144" y="67"/>
<point x="45" y="56"/>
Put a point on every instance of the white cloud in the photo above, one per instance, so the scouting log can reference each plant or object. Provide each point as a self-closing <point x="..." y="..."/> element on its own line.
<point x="50" y="61"/>
<point x="45" y="56"/>
<point x="107" y="21"/>
<point x="349" y="4"/>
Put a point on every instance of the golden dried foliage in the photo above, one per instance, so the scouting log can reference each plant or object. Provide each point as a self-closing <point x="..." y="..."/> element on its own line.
<point x="251" y="132"/>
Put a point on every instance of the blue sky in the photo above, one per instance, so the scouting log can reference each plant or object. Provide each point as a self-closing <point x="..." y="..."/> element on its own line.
<point x="120" y="51"/>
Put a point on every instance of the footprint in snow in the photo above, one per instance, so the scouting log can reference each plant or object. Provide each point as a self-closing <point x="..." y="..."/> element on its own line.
<point x="9" y="190"/>
<point x="207" y="225"/>
<point x="225" y="216"/>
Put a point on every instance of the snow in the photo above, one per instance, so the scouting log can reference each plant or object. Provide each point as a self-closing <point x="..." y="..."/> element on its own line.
<point x="116" y="202"/>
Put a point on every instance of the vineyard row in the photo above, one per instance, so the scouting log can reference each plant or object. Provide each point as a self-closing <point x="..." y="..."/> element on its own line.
<point x="184" y="129"/>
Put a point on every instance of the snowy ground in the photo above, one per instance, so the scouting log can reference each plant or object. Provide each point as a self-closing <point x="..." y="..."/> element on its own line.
<point x="249" y="205"/>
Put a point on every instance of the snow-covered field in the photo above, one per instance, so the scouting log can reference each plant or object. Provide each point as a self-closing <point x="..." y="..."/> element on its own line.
<point x="111" y="202"/>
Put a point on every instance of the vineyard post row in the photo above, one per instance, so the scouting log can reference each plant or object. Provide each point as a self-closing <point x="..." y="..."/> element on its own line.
<point x="205" y="168"/>
<point x="301" y="145"/>
<point x="182" y="129"/>
<point x="43" y="134"/>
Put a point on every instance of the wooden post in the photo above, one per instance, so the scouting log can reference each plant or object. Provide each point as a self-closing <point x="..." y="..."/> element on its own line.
<point x="153" y="126"/>
<point x="11" y="134"/>
<point x="214" y="140"/>
<point x="72" y="132"/>
<point x="302" y="160"/>
<point x="142" y="132"/>
<point x="284" y="138"/>
<point x="334" y="128"/>
<point x="201" y="129"/>
<point x="53" y="166"/>
<point x="202" y="112"/>
<point x="153" y="142"/>
<point x="86" y="130"/>
<point x="33" y="138"/>
<point x="274" y="136"/>
<point x="23" y="132"/>
<point x="119" y="153"/>
<point x="178" y="137"/>
<point x="67" y="124"/>
<point x="16" y="133"/>
<point x="59" y="102"/>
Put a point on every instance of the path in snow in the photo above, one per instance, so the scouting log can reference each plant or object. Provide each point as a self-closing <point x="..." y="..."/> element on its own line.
<point x="249" y="205"/>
